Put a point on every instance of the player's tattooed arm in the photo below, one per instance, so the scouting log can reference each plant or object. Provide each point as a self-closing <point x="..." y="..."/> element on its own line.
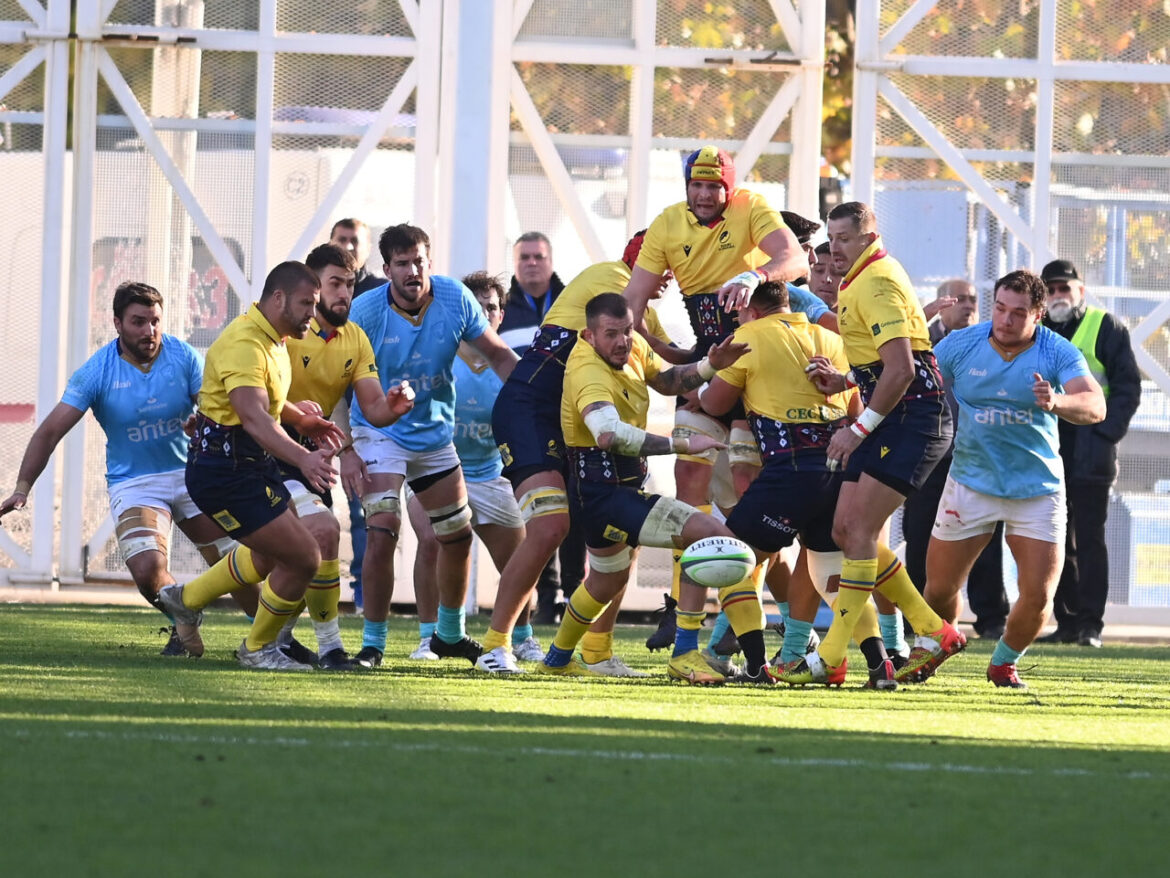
<point x="683" y="379"/>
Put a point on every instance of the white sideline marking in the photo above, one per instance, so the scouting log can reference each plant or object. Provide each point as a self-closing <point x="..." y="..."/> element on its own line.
<point x="582" y="753"/>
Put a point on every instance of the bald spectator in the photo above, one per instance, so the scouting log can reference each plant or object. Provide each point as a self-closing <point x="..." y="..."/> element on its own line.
<point x="957" y="307"/>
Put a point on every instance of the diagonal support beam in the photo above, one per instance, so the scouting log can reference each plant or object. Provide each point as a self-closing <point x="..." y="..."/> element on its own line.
<point x="945" y="150"/>
<point x="771" y="119"/>
<point x="550" y="159"/>
<point x="790" y="24"/>
<point x="15" y="74"/>
<point x="904" y="25"/>
<point x="34" y="11"/>
<point x="366" y="145"/>
<point x="519" y="13"/>
<point x="410" y="13"/>
<point x="137" y="116"/>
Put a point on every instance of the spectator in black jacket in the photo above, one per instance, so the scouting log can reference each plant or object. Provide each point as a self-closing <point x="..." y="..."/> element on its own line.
<point x="535" y="286"/>
<point x="1089" y="453"/>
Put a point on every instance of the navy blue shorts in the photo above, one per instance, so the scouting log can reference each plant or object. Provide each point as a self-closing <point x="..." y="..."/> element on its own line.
<point x="526" y="422"/>
<point x="605" y="490"/>
<point x="241" y="496"/>
<point x="904" y="450"/>
<point x="783" y="503"/>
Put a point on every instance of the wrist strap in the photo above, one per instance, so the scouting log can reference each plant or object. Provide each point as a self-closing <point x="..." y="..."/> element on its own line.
<point x="680" y="444"/>
<point x="705" y="369"/>
<point x="867" y="422"/>
<point x="22" y="487"/>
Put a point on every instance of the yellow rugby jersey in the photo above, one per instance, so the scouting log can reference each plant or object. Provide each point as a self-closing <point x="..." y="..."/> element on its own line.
<point x="569" y="308"/>
<point x="703" y="258"/>
<point x="772" y="377"/>
<point x="876" y="304"/>
<point x="325" y="365"/>
<point x="589" y="379"/>
<point x="248" y="353"/>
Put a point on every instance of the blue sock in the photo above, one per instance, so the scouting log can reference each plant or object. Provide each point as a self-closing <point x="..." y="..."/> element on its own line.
<point x="685" y="640"/>
<point x="796" y="637"/>
<point x="250" y="619"/>
<point x="1004" y="654"/>
<point x="892" y="636"/>
<point x="782" y="606"/>
<point x="722" y="623"/>
<point x="450" y="627"/>
<point x="557" y="657"/>
<point x="374" y="634"/>
<point x="521" y="633"/>
<point x="426" y="630"/>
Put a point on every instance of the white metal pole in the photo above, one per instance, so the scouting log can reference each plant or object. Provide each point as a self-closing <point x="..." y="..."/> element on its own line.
<point x="73" y="493"/>
<point x="426" y="132"/>
<point x="641" y="119"/>
<point x="1042" y="169"/>
<point x="804" y="167"/>
<point x="53" y="236"/>
<point x="262" y="147"/>
<point x="865" y="97"/>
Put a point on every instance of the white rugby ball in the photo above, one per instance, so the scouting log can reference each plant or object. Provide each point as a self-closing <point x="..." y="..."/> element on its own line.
<point x="717" y="562"/>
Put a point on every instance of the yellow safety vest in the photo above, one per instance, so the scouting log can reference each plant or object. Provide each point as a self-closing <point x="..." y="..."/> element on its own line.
<point x="1085" y="340"/>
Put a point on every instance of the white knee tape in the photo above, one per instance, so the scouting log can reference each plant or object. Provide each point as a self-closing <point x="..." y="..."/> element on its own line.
<point x="136" y="545"/>
<point x="743" y="449"/>
<point x="381" y="501"/>
<point x="822" y="566"/>
<point x="688" y="424"/>
<point x="222" y="546"/>
<point x="665" y="522"/>
<point x="543" y="501"/>
<point x="614" y="563"/>
<point x="307" y="503"/>
<point x="142" y="529"/>
<point x="447" y="520"/>
<point x="722" y="489"/>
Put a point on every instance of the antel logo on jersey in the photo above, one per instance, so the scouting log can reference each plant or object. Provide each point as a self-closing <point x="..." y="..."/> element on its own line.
<point x="152" y="431"/>
<point x="1002" y="417"/>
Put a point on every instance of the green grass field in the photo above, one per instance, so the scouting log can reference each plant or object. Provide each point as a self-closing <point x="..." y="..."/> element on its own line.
<point x="115" y="761"/>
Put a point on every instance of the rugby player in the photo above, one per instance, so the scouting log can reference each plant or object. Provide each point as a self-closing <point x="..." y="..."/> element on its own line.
<point x="526" y="422"/>
<point x="232" y="470"/>
<point x="890" y="449"/>
<point x="720" y="243"/>
<point x="333" y="357"/>
<point x="603" y="415"/>
<point x="1013" y="379"/>
<point x="415" y="324"/>
<point x="142" y="388"/>
<point x="795" y="493"/>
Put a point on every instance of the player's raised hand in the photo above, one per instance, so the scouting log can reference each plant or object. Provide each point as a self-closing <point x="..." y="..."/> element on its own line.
<point x="930" y="309"/>
<point x="736" y="293"/>
<point x="1042" y="390"/>
<point x="15" y="500"/>
<point x="318" y="469"/>
<point x="400" y="398"/>
<point x="722" y="355"/>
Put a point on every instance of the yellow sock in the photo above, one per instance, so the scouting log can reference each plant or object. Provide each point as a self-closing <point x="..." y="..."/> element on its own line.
<point x="580" y="612"/>
<point x="741" y="603"/>
<point x="867" y="624"/>
<point x="271" y="614"/>
<point x="857" y="579"/>
<point x="324" y="591"/>
<point x="496" y="638"/>
<point x="596" y="647"/>
<point x="894" y="582"/>
<point x="233" y="570"/>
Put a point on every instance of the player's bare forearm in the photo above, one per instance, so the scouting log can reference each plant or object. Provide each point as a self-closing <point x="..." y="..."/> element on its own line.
<point x="678" y="380"/>
<point x="1086" y="407"/>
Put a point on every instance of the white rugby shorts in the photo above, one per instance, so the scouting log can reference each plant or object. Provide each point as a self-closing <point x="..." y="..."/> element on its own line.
<point x="167" y="491"/>
<point x="964" y="513"/>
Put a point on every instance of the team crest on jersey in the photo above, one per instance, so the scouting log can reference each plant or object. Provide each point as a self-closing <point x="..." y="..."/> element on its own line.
<point x="725" y="242"/>
<point x="226" y="520"/>
<point x="273" y="499"/>
<point x="615" y="534"/>
<point x="347" y="367"/>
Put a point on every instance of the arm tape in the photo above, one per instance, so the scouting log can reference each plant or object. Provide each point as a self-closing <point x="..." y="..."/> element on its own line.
<point x="627" y="439"/>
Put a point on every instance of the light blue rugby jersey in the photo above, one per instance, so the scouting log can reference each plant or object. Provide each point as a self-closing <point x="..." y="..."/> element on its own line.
<point x="1005" y="444"/>
<point x="808" y="303"/>
<point x="142" y="413"/>
<point x="419" y="350"/>
<point x="475" y="395"/>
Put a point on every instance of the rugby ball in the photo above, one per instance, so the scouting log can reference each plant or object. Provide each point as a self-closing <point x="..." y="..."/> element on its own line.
<point x="717" y="562"/>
